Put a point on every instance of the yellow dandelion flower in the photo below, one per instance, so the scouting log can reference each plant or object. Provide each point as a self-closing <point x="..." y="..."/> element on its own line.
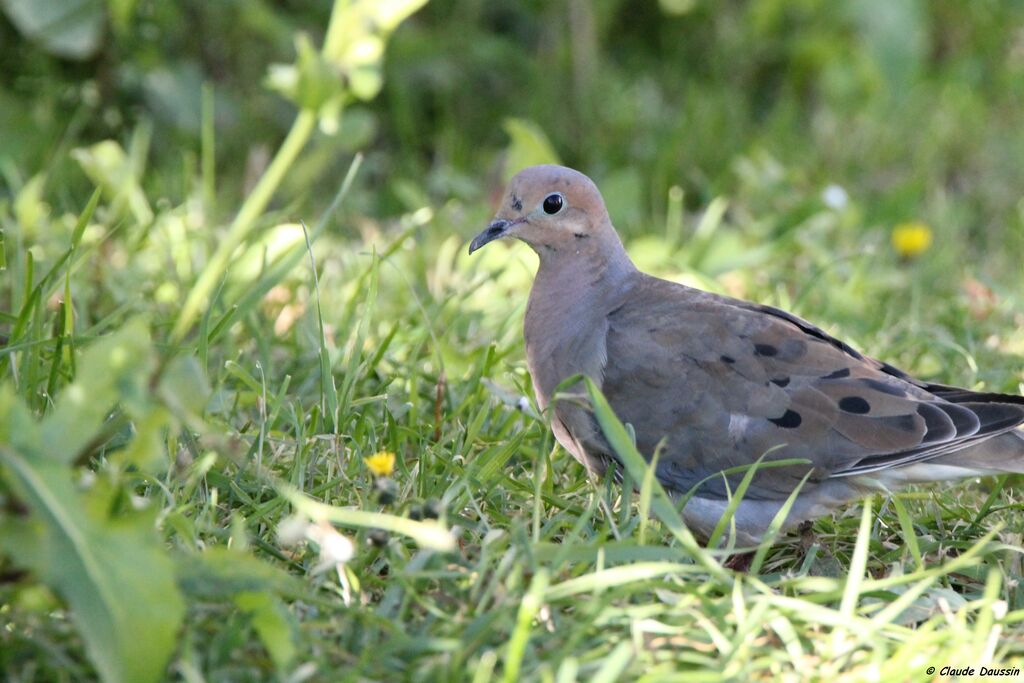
<point x="911" y="238"/>
<point x="381" y="464"/>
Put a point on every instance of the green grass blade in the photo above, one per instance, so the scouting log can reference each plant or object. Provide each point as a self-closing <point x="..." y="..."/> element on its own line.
<point x="854" y="579"/>
<point x="528" y="609"/>
<point x="909" y="534"/>
<point x="631" y="459"/>
<point x="244" y="222"/>
<point x="428" y="534"/>
<point x="776" y="525"/>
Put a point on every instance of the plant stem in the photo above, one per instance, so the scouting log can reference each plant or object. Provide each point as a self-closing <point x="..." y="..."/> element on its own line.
<point x="252" y="208"/>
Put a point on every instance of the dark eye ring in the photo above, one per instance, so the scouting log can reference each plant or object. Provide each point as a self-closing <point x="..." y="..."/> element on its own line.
<point x="553" y="204"/>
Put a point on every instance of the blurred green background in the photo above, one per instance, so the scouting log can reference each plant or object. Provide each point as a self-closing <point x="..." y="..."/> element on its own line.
<point x="821" y="126"/>
<point x="904" y="104"/>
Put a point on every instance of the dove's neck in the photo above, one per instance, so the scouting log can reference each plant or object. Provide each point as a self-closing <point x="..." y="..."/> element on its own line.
<point x="588" y="265"/>
<point x="566" y="318"/>
<point x="587" y="271"/>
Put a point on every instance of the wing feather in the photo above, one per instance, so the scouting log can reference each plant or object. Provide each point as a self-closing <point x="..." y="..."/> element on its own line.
<point x="723" y="382"/>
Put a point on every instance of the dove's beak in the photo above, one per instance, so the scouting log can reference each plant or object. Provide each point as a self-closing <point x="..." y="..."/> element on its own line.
<point x="498" y="228"/>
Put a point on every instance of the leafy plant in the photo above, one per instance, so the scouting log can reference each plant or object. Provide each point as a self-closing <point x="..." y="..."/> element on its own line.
<point x="108" y="563"/>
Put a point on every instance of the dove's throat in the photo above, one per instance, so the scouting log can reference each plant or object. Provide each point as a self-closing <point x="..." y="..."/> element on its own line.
<point x="566" y="326"/>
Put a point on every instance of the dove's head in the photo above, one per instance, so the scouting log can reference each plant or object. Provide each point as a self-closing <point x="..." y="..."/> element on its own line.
<point x="555" y="210"/>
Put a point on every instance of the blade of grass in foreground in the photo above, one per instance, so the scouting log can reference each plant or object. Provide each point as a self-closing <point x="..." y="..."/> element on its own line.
<point x="635" y="464"/>
<point x="528" y="608"/>
<point x="616" y="576"/>
<point x="907" y="527"/>
<point x="328" y="390"/>
<point x="284" y="263"/>
<point x="728" y="519"/>
<point x="854" y="578"/>
<point x="428" y="534"/>
<point x="776" y="525"/>
<point x="615" y="663"/>
<point x="858" y="563"/>
<point x="245" y="220"/>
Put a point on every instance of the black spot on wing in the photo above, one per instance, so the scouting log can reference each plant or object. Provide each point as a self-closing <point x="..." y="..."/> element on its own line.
<point x="727" y="359"/>
<point x="838" y="374"/>
<point x="781" y="382"/>
<point x="994" y="414"/>
<point x="789" y="420"/>
<point x="854" y="404"/>
<point x="765" y="350"/>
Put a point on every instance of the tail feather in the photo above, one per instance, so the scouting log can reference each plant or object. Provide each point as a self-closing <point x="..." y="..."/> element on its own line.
<point x="1001" y="454"/>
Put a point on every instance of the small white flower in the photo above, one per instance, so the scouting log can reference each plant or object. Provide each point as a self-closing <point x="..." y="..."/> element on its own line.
<point x="292" y="530"/>
<point x="835" y="197"/>
<point x="335" y="549"/>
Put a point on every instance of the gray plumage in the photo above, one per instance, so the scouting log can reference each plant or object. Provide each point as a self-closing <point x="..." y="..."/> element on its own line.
<point x="718" y="382"/>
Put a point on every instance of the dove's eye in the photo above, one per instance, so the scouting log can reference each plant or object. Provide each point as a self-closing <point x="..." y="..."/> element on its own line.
<point x="553" y="204"/>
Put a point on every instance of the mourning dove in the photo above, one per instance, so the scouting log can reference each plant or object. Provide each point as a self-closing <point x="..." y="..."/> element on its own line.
<point x="716" y="382"/>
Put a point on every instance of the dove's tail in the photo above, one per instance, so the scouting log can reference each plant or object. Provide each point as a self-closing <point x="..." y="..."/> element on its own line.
<point x="1002" y="454"/>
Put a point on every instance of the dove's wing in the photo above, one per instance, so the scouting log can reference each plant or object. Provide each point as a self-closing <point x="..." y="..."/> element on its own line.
<point x="723" y="381"/>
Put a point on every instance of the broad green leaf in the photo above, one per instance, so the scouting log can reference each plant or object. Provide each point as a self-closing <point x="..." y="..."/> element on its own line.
<point x="184" y="385"/>
<point x="218" y="573"/>
<point x="115" y="368"/>
<point x="16" y="424"/>
<point x="528" y="146"/>
<point x="113" y="572"/>
<point x="72" y="29"/>
<point x="273" y="623"/>
<point x="146" y="450"/>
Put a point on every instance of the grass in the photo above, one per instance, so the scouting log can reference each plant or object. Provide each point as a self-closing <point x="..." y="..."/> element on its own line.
<point x="186" y="495"/>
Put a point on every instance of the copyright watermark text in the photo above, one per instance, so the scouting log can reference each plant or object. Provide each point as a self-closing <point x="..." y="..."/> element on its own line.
<point x="974" y="671"/>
